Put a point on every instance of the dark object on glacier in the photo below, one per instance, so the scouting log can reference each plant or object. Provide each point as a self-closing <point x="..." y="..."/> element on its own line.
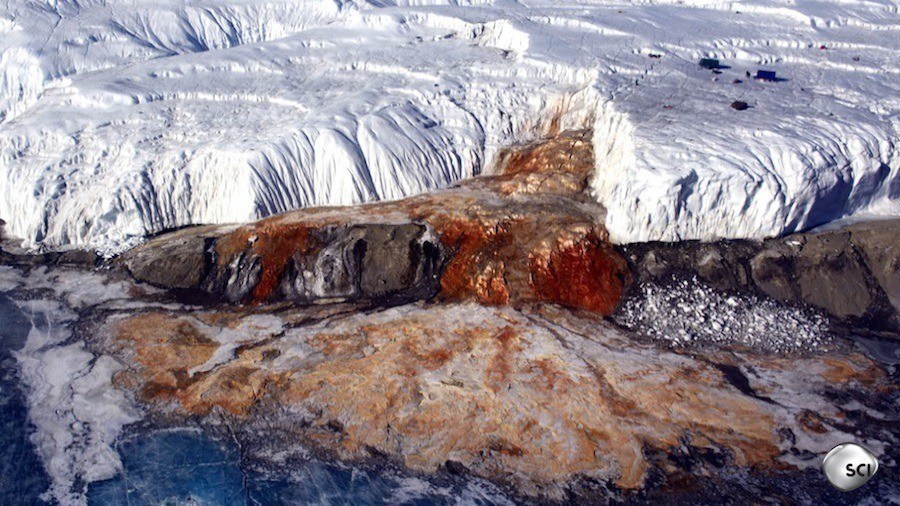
<point x="655" y="55"/>
<point x="739" y="105"/>
<point x="766" y="75"/>
<point x="709" y="63"/>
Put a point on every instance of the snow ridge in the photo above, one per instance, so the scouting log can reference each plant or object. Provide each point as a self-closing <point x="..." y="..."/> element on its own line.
<point x="119" y="119"/>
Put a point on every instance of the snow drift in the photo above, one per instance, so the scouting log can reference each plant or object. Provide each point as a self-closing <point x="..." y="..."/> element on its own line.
<point x="123" y="118"/>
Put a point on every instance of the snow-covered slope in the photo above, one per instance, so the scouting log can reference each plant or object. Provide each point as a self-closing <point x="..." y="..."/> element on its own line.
<point x="126" y="117"/>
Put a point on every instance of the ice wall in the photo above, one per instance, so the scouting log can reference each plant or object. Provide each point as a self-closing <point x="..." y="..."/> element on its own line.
<point x="123" y="118"/>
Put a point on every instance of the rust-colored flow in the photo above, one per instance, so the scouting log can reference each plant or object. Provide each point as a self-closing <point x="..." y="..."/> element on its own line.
<point x="529" y="233"/>
<point x="585" y="274"/>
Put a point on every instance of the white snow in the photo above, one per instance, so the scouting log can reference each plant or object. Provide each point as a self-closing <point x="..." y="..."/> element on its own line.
<point x="79" y="289"/>
<point x="77" y="412"/>
<point x="125" y="117"/>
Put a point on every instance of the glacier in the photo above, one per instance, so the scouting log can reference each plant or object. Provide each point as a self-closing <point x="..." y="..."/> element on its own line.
<point x="122" y="118"/>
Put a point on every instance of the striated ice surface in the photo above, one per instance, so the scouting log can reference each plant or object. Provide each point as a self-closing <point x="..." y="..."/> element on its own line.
<point x="122" y="118"/>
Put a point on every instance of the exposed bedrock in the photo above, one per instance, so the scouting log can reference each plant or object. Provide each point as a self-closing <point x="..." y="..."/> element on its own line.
<point x="852" y="273"/>
<point x="527" y="234"/>
<point x="298" y="263"/>
<point x="550" y="401"/>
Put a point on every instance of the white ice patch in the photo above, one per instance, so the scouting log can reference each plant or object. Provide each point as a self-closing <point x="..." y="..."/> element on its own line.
<point x="123" y="118"/>
<point x="81" y="289"/>
<point x="688" y="312"/>
<point x="76" y="411"/>
<point x="10" y="278"/>
<point x="252" y="329"/>
<point x="410" y="489"/>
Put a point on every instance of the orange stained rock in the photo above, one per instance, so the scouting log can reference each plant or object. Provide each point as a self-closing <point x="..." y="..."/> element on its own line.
<point x="233" y="389"/>
<point x="839" y="369"/>
<point x="476" y="268"/>
<point x="485" y="387"/>
<point x="274" y="242"/>
<point x="586" y="274"/>
<point x="166" y="347"/>
<point x="855" y="367"/>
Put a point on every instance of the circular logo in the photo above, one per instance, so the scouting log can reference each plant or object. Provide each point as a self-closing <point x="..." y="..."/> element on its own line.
<point x="849" y="466"/>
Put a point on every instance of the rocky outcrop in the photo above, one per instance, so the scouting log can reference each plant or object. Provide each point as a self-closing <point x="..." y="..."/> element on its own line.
<point x="12" y="254"/>
<point x="485" y="379"/>
<point x="852" y="273"/>
<point x="364" y="261"/>
<point x="303" y="263"/>
<point x="180" y="261"/>
<point x="529" y="233"/>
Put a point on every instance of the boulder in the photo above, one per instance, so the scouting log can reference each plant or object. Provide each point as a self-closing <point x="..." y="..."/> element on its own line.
<point x="772" y="273"/>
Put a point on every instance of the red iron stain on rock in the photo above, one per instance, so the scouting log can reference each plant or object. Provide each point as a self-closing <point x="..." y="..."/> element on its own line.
<point x="274" y="242"/>
<point x="529" y="233"/>
<point x="585" y="275"/>
<point x="500" y="368"/>
<point x="276" y="249"/>
<point x="474" y="270"/>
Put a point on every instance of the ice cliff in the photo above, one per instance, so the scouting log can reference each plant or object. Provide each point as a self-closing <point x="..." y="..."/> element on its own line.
<point x="122" y="118"/>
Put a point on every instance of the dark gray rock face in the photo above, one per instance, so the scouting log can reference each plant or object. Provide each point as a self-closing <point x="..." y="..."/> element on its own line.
<point x="832" y="275"/>
<point x="175" y="260"/>
<point x="364" y="261"/>
<point x="852" y="273"/>
<point x="346" y="262"/>
<point x="881" y="251"/>
<point x="772" y="271"/>
<point x="376" y="262"/>
<point x="12" y="254"/>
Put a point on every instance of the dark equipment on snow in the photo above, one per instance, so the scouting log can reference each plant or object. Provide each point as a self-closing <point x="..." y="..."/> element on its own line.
<point x="738" y="105"/>
<point x="709" y="63"/>
<point x="766" y="75"/>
